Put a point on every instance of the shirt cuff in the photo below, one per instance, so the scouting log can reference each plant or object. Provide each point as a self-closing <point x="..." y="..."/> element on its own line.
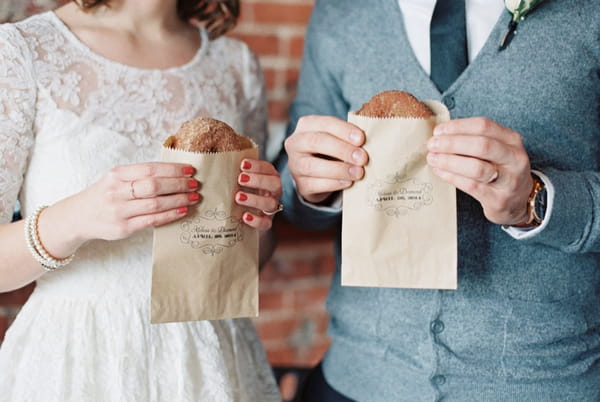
<point x="525" y="233"/>
<point x="335" y="206"/>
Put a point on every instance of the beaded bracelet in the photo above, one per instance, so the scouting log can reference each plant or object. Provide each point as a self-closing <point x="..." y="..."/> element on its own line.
<point x="35" y="246"/>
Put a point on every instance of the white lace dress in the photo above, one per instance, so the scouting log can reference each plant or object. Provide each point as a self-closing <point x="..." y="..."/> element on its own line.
<point x="67" y="116"/>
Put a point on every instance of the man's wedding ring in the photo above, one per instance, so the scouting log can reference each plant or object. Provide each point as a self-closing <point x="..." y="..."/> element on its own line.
<point x="132" y="190"/>
<point x="494" y="176"/>
<point x="271" y="213"/>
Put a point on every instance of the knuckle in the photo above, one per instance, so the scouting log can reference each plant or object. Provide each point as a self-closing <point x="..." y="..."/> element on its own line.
<point x="313" y="140"/>
<point x="152" y="205"/>
<point x="266" y="224"/>
<point x="111" y="195"/>
<point x="305" y="165"/>
<point x="481" y="170"/>
<point x="471" y="186"/>
<point x="151" y="221"/>
<point x="483" y="146"/>
<point x="148" y="170"/>
<point x="113" y="175"/>
<point x="482" y="124"/>
<point x="307" y="120"/>
<point x="123" y="230"/>
<point x="518" y="138"/>
<point x="113" y="211"/>
<point x="153" y="186"/>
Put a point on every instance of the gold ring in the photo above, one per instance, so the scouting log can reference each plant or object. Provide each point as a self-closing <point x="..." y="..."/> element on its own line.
<point x="131" y="190"/>
<point x="494" y="176"/>
<point x="271" y="213"/>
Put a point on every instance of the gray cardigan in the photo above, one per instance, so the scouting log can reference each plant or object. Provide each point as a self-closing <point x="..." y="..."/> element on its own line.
<point x="524" y="323"/>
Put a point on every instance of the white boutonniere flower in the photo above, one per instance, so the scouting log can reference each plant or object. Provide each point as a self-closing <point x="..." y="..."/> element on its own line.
<point x="518" y="9"/>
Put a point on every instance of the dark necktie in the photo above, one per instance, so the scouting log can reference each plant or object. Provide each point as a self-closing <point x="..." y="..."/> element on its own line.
<point x="448" y="42"/>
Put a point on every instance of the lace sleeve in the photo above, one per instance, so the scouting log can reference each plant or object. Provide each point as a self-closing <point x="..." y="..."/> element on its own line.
<point x="17" y="102"/>
<point x="256" y="102"/>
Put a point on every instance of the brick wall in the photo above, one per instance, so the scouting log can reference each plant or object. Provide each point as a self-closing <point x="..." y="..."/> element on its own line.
<point x="293" y="320"/>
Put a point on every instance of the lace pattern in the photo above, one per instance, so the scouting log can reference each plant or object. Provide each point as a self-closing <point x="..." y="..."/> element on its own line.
<point x="67" y="116"/>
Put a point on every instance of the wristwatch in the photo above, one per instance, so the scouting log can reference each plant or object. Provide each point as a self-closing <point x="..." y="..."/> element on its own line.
<point x="536" y="204"/>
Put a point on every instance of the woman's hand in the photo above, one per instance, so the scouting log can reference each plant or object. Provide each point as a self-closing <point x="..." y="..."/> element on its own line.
<point x="135" y="197"/>
<point x="487" y="161"/>
<point x="261" y="191"/>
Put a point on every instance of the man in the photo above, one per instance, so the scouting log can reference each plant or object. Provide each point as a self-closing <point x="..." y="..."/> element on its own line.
<point x="523" y="151"/>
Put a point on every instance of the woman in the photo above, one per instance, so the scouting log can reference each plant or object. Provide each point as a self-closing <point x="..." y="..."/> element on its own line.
<point x="87" y="95"/>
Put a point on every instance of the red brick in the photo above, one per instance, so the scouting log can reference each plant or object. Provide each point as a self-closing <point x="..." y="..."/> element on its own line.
<point x="281" y="13"/>
<point x="282" y="356"/>
<point x="268" y="272"/>
<point x="260" y="44"/>
<point x="296" y="47"/>
<point x="271" y="300"/>
<point x="245" y="11"/>
<point x="302" y="269"/>
<point x="270" y="77"/>
<point x="279" y="110"/>
<point x="311" y="297"/>
<point x="326" y="264"/>
<point x="314" y="355"/>
<point x="291" y="79"/>
<point x="277" y="329"/>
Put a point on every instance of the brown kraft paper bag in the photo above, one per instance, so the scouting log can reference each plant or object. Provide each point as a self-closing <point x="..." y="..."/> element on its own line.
<point x="205" y="266"/>
<point x="399" y="221"/>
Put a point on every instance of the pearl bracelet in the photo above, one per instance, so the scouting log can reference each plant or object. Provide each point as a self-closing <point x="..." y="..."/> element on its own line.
<point x="35" y="246"/>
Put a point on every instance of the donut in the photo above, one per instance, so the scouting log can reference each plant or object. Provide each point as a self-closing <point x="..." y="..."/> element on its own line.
<point x="395" y="103"/>
<point x="207" y="135"/>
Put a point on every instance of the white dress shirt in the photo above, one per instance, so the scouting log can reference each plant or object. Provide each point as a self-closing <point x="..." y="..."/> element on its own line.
<point x="481" y="18"/>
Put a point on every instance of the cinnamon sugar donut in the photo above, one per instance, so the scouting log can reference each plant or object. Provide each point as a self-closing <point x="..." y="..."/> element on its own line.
<point x="395" y="103"/>
<point x="207" y="135"/>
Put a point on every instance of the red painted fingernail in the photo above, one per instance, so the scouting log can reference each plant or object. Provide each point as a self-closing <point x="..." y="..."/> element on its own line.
<point x="182" y="210"/>
<point x="193" y="184"/>
<point x="188" y="170"/>
<point x="242" y="197"/>
<point x="246" y="165"/>
<point x="248" y="218"/>
<point x="193" y="197"/>
<point x="244" y="178"/>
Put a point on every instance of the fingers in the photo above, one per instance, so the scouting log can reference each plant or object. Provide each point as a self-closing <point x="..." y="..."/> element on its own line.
<point x="340" y="129"/>
<point x="312" y="166"/>
<point x="481" y="147"/>
<point x="141" y="222"/>
<point x="328" y="144"/>
<point x="159" y="204"/>
<point x="471" y="168"/>
<point x="156" y="186"/>
<point x="256" y="221"/>
<point x="316" y="190"/>
<point x="258" y="202"/>
<point x="258" y="166"/>
<point x="478" y="126"/>
<point x="260" y="175"/>
<point x="152" y="169"/>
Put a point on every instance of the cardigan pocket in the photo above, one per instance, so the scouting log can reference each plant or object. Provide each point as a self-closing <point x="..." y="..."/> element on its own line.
<point x="548" y="341"/>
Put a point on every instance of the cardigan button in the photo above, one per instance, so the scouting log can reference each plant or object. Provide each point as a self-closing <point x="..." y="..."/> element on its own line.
<point x="437" y="326"/>
<point x="439" y="380"/>
<point x="449" y="102"/>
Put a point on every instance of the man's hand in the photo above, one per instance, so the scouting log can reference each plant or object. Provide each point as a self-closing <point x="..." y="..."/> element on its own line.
<point x="488" y="162"/>
<point x="325" y="156"/>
